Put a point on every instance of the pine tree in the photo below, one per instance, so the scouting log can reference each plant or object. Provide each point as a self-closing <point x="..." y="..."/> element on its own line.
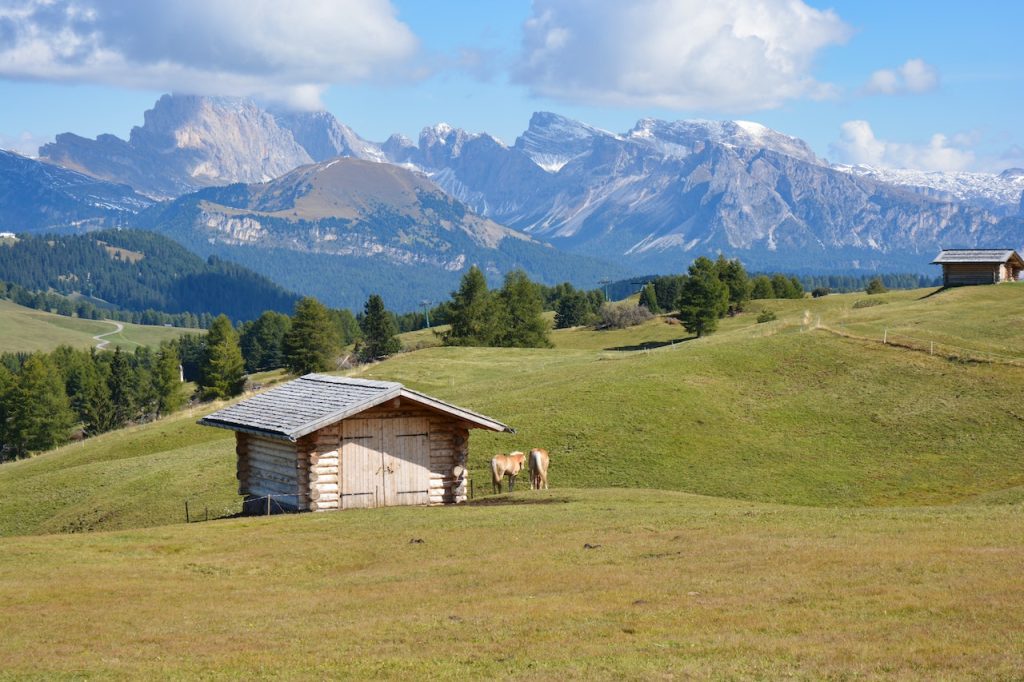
<point x="7" y="383"/>
<point x="122" y="388"/>
<point x="378" y="331"/>
<point x="262" y="341"/>
<point x="311" y="344"/>
<point x="573" y="309"/>
<point x="734" y="276"/>
<point x="875" y="286"/>
<point x="472" y="316"/>
<point x="521" y="306"/>
<point x="762" y="288"/>
<point x="167" y="379"/>
<point x="223" y="373"/>
<point x="40" y="416"/>
<point x="649" y="299"/>
<point x="703" y="299"/>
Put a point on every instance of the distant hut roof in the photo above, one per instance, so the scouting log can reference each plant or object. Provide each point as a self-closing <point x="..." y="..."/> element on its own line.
<point x="314" y="401"/>
<point x="978" y="256"/>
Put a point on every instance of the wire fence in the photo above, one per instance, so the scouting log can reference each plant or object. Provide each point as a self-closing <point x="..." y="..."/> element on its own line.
<point x="931" y="346"/>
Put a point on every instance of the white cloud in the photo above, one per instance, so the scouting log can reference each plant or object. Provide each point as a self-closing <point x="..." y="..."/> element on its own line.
<point x="857" y="144"/>
<point x="678" y="54"/>
<point x="288" y="51"/>
<point x="26" y="144"/>
<point x="914" y="77"/>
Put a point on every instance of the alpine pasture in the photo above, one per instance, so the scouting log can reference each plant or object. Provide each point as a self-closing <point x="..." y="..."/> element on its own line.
<point x="792" y="498"/>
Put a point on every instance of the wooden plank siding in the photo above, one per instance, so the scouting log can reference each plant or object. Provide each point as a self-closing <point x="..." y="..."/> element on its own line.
<point x="958" y="274"/>
<point x="399" y="453"/>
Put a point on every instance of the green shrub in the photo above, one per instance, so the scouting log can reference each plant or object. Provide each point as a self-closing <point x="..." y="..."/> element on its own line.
<point x="766" y="316"/>
<point x="867" y="303"/>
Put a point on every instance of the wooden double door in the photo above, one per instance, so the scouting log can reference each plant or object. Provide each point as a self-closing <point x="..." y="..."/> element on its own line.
<point x="384" y="462"/>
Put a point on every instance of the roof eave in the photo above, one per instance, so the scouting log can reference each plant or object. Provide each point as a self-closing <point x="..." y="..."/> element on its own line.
<point x="231" y="426"/>
<point x="479" y="420"/>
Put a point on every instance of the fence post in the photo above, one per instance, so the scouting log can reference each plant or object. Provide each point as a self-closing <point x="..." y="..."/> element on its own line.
<point x="186" y="512"/>
<point x="268" y="505"/>
<point x="885" y="335"/>
<point x="931" y="349"/>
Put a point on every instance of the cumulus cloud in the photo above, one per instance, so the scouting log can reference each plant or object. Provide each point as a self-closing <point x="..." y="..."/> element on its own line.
<point x="679" y="54"/>
<point x="289" y="51"/>
<point x="914" y="77"/>
<point x="857" y="144"/>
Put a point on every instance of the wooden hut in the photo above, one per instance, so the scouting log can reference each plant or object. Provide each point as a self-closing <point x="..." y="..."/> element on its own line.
<point x="978" y="266"/>
<point x="322" y="442"/>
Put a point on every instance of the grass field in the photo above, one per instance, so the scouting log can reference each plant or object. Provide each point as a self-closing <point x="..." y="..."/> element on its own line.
<point x="771" y="501"/>
<point x="25" y="329"/>
<point x="755" y="412"/>
<point x="677" y="587"/>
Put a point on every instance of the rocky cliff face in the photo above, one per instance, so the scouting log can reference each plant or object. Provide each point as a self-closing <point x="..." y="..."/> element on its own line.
<point x="388" y="229"/>
<point x="652" y="197"/>
<point x="665" y="192"/>
<point x="189" y="142"/>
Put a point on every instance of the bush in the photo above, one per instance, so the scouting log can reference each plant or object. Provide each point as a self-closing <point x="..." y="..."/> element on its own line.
<point x="875" y="286"/>
<point x="867" y="303"/>
<point x="766" y="316"/>
<point x="821" y="291"/>
<point x="621" y="315"/>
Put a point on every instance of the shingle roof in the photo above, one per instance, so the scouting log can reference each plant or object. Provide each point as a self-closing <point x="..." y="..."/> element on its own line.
<point x="975" y="256"/>
<point x="313" y="401"/>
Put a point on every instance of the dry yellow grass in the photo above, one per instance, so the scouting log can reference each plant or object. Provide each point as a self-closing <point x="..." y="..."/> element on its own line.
<point x="677" y="587"/>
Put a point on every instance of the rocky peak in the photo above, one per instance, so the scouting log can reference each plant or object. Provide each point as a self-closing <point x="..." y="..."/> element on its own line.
<point x="552" y="140"/>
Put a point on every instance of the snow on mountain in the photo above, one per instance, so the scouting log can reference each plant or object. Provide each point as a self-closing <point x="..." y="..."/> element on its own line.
<point x="1000" y="193"/>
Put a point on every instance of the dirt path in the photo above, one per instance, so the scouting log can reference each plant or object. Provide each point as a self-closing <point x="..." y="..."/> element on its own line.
<point x="100" y="343"/>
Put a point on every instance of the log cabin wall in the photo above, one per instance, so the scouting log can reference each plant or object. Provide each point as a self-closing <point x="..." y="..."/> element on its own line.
<point x="271" y="467"/>
<point x="955" y="274"/>
<point x="319" y="452"/>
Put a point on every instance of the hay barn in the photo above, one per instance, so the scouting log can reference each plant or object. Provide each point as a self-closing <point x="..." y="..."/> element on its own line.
<point x="322" y="442"/>
<point x="978" y="266"/>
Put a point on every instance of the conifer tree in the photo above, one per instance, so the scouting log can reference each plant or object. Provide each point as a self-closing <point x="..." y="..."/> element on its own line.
<point x="649" y="299"/>
<point x="311" y="343"/>
<point x="521" y="306"/>
<point x="574" y="309"/>
<point x="122" y="389"/>
<point x="472" y="314"/>
<point x="7" y="383"/>
<point x="40" y="417"/>
<point x="762" y="288"/>
<point x="378" y="331"/>
<point x="704" y="298"/>
<point x="734" y="276"/>
<point x="262" y="341"/>
<point x="167" y="379"/>
<point x="223" y="373"/>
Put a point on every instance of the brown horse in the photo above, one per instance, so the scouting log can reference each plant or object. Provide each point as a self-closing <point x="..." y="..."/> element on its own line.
<point x="539" y="468"/>
<point x="506" y="465"/>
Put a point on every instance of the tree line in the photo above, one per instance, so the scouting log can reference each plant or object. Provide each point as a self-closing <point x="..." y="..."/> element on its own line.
<point x="44" y="396"/>
<point x="136" y="270"/>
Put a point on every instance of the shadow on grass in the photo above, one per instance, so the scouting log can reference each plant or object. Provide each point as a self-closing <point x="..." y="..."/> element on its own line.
<point x="648" y="345"/>
<point x="933" y="293"/>
<point x="500" y="500"/>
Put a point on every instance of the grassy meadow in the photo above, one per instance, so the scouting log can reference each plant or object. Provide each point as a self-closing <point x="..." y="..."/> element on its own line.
<point x="26" y="329"/>
<point x="674" y="586"/>
<point x="774" y="500"/>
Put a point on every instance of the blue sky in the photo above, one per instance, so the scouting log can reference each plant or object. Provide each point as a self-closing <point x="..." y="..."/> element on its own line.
<point x="931" y="85"/>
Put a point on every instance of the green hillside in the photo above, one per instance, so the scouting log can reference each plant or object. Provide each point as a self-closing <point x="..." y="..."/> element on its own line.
<point x="24" y="329"/>
<point x="777" y="412"/>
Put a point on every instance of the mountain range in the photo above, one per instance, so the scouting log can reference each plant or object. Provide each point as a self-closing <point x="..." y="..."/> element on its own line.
<point x="648" y="199"/>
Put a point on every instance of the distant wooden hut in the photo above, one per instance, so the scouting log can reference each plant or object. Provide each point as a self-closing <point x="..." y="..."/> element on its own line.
<point x="322" y="442"/>
<point x="978" y="266"/>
